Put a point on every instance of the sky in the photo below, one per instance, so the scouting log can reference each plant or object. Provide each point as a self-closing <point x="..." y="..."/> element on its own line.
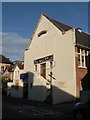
<point x="19" y="20"/>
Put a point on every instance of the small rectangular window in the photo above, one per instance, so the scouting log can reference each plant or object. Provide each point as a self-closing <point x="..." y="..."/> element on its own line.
<point x="35" y="67"/>
<point x="83" y="61"/>
<point x="2" y="69"/>
<point x="78" y="60"/>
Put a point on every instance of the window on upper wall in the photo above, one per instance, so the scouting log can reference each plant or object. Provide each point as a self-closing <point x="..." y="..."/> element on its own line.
<point x="82" y="57"/>
<point x="42" y="32"/>
<point x="2" y="69"/>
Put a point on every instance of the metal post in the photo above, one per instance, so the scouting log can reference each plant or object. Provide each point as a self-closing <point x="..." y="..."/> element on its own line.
<point x="51" y="82"/>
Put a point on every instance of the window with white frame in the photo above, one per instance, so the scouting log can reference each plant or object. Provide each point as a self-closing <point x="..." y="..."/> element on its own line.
<point x="2" y="69"/>
<point x="82" y="57"/>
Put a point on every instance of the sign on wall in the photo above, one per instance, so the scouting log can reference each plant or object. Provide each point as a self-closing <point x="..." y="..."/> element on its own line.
<point x="44" y="59"/>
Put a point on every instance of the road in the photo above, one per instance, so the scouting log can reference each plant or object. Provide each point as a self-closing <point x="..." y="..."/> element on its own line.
<point x="18" y="108"/>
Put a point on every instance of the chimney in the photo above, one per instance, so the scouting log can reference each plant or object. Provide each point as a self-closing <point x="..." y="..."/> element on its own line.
<point x="79" y="29"/>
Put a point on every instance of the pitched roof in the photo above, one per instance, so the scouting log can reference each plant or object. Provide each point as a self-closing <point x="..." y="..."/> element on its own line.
<point x="3" y="59"/>
<point x="17" y="62"/>
<point x="11" y="68"/>
<point x="59" y="25"/>
<point x="82" y="39"/>
<point x="21" y="66"/>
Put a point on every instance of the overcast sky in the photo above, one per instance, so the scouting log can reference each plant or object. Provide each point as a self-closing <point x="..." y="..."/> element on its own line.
<point x="19" y="20"/>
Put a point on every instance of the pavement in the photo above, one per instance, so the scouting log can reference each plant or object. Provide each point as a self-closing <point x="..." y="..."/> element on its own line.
<point x="23" y="108"/>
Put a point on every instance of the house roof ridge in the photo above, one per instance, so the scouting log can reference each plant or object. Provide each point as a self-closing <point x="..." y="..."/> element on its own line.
<point x="58" y="24"/>
<point x="80" y="36"/>
<point x="63" y="26"/>
<point x="4" y="59"/>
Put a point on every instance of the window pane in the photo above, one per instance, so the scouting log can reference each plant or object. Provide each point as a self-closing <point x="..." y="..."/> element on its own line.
<point x="2" y="68"/>
<point x="82" y="51"/>
<point x="86" y="52"/>
<point x="82" y="60"/>
<point x="78" y="57"/>
<point x="86" y="61"/>
<point x="78" y="50"/>
<point x="35" y="67"/>
<point x="78" y="60"/>
<point x="83" y="64"/>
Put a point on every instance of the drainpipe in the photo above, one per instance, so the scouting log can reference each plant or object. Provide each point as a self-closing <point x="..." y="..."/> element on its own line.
<point x="51" y="82"/>
<point x="88" y="66"/>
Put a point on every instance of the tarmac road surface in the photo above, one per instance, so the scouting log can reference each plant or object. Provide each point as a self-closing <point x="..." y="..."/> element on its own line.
<point x="19" y="108"/>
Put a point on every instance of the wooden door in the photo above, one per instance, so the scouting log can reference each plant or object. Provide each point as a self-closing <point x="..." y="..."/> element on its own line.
<point x="43" y="70"/>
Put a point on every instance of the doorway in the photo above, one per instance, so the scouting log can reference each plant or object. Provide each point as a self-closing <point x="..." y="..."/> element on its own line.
<point x="43" y="70"/>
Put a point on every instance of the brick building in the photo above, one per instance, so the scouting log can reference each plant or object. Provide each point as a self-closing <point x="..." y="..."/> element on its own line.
<point x="4" y="63"/>
<point x="56" y="61"/>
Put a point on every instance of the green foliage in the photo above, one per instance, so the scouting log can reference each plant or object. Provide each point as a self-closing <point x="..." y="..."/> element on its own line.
<point x="0" y="80"/>
<point x="3" y="80"/>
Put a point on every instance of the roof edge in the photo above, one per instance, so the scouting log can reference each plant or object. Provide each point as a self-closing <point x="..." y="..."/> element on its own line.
<point x="53" y="23"/>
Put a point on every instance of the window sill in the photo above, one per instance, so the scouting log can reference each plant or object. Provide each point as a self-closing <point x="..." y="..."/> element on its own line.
<point x="82" y="67"/>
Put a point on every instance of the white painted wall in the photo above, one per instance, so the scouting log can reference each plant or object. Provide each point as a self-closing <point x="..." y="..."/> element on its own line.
<point x="17" y="92"/>
<point x="62" y="47"/>
<point x="38" y="91"/>
<point x="65" y="84"/>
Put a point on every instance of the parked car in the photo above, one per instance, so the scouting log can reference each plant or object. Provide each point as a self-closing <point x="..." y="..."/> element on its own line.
<point x="82" y="111"/>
